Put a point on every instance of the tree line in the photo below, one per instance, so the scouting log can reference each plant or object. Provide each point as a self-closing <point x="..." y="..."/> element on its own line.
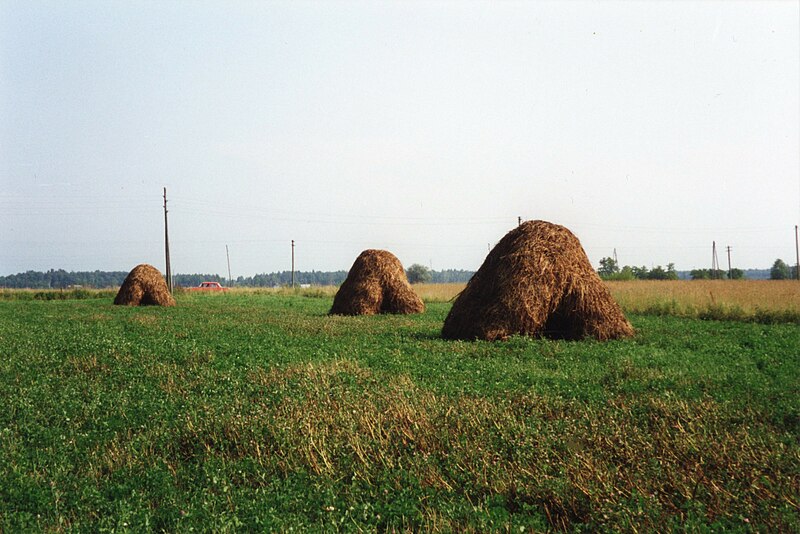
<point x="781" y="271"/>
<point x="417" y="273"/>
<point x="610" y="270"/>
<point x="61" y="279"/>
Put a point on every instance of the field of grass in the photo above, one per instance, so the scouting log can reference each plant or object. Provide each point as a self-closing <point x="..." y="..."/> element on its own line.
<point x="764" y="301"/>
<point x="256" y="411"/>
<point x="772" y="301"/>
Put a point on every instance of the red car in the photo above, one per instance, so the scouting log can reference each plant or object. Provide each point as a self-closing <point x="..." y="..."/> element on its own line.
<point x="208" y="286"/>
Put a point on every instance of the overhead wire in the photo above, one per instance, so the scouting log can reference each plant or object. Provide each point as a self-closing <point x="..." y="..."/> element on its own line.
<point x="68" y="205"/>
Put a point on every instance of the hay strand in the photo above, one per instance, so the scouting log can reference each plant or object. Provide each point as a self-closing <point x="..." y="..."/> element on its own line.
<point x="536" y="281"/>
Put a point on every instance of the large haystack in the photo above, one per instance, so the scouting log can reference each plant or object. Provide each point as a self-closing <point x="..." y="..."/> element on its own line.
<point x="536" y="281"/>
<point x="144" y="286"/>
<point x="376" y="283"/>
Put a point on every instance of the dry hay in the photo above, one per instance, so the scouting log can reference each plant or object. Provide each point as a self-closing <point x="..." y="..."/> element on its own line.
<point x="536" y="281"/>
<point x="376" y="283"/>
<point x="144" y="286"/>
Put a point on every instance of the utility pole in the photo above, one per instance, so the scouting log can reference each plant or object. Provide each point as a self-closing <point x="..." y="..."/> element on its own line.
<point x="729" y="263"/>
<point x="292" y="263"/>
<point x="229" y="265"/>
<point x="714" y="260"/>
<point x="797" y="252"/>
<point x="616" y="262"/>
<point x="166" y="243"/>
<point x="519" y="221"/>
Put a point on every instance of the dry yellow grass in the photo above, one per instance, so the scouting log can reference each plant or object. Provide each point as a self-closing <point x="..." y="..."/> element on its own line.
<point x="438" y="292"/>
<point x="693" y="298"/>
<point x="748" y="295"/>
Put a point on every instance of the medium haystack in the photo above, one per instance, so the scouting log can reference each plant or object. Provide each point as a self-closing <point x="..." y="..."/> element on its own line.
<point x="144" y="286"/>
<point x="376" y="283"/>
<point x="536" y="281"/>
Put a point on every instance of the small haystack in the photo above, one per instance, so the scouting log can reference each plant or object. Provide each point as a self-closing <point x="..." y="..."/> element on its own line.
<point x="144" y="286"/>
<point x="376" y="283"/>
<point x="536" y="281"/>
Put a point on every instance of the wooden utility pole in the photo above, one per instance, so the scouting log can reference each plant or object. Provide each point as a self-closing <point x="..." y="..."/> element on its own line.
<point x="227" y="255"/>
<point x="519" y="221"/>
<point x="797" y="252"/>
<point x="714" y="261"/>
<point x="729" y="263"/>
<point x="292" y="263"/>
<point x="166" y="243"/>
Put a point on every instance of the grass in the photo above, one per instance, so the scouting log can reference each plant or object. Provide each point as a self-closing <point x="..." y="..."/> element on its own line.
<point x="256" y="411"/>
<point x="761" y="301"/>
<point x="55" y="294"/>
<point x="755" y="300"/>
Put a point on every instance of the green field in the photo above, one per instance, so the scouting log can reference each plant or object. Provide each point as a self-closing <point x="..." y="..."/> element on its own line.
<point x="259" y="412"/>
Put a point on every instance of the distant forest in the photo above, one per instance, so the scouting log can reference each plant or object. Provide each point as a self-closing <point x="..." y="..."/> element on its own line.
<point x="61" y="279"/>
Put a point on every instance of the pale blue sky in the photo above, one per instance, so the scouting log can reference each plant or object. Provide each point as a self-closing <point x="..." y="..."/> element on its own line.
<point x="425" y="128"/>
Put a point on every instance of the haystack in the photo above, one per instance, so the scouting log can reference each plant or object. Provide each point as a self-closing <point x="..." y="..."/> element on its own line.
<point x="144" y="286"/>
<point x="376" y="283"/>
<point x="536" y="281"/>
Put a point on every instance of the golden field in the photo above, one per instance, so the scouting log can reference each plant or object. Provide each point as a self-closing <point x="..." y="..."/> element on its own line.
<point x="764" y="300"/>
<point x="684" y="297"/>
<point x="748" y="295"/>
<point x="723" y="298"/>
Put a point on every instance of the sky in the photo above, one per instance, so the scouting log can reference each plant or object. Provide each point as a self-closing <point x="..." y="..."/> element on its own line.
<point x="425" y="128"/>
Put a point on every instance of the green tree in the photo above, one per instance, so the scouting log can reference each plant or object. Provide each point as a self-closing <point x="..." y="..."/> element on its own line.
<point x="737" y="274"/>
<point x="625" y="274"/>
<point x="718" y="274"/>
<point x="608" y="268"/>
<point x="672" y="274"/>
<point x="418" y="274"/>
<point x="640" y="273"/>
<point x="657" y="273"/>
<point x="779" y="271"/>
